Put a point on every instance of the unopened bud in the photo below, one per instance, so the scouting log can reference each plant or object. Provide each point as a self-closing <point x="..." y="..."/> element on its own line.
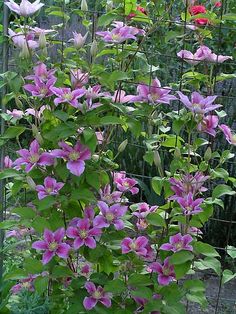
<point x="122" y="146"/>
<point x="84" y="5"/>
<point x="94" y="48"/>
<point x="157" y="162"/>
<point x="37" y="134"/>
<point x="177" y="153"/>
<point x="109" y="5"/>
<point x="25" y="54"/>
<point x="208" y="153"/>
<point x="42" y="40"/>
<point x="31" y="183"/>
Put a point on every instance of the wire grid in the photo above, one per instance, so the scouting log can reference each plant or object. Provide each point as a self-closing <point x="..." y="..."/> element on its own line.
<point x="142" y="171"/>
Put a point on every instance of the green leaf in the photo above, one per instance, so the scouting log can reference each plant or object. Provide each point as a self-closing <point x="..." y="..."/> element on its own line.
<point x="156" y="220"/>
<point x="33" y="266"/>
<point x="40" y="224"/>
<point x="220" y="173"/>
<point x="16" y="274"/>
<point x="205" y="249"/>
<point x="106" y="19"/>
<point x="209" y="262"/>
<point x="143" y="292"/>
<point x="45" y="203"/>
<point x="194" y="285"/>
<point x="41" y="284"/>
<point x="8" y="224"/>
<point x="182" y="269"/>
<point x="116" y="286"/>
<point x="139" y="280"/>
<point x="221" y="190"/>
<point x="227" y="276"/>
<point x="13" y="131"/>
<point x="231" y="251"/>
<point x="24" y="212"/>
<point x="157" y="184"/>
<point x="110" y="120"/>
<point x="61" y="271"/>
<point x="9" y="173"/>
<point x="181" y="257"/>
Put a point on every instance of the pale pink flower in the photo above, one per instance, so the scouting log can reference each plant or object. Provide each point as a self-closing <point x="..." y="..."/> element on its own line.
<point x="25" y="8"/>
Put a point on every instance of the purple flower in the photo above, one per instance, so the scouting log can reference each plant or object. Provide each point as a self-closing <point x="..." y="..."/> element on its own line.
<point x="19" y="233"/>
<point x="153" y="94"/>
<point x="120" y="33"/>
<point x="8" y="163"/>
<point x="110" y="215"/>
<point x="125" y="184"/>
<point x="52" y="245"/>
<point x="41" y="72"/>
<point x="188" y="184"/>
<point x="25" y="8"/>
<point x="97" y="294"/>
<point x="33" y="157"/>
<point x="66" y="95"/>
<point x="37" y="113"/>
<point x="108" y="196"/>
<point x="230" y="137"/>
<point x="189" y="205"/>
<point x="208" y="124"/>
<point x="139" y="246"/>
<point x="85" y="270"/>
<point x="120" y="97"/>
<point x="15" y="113"/>
<point x="75" y="156"/>
<point x="199" y="104"/>
<point x="91" y="94"/>
<point x="41" y="89"/>
<point x="141" y="212"/>
<point x="26" y="283"/>
<point x="21" y="40"/>
<point x="165" y="272"/>
<point x="79" y="40"/>
<point x="178" y="243"/>
<point x="83" y="234"/>
<point x="50" y="187"/>
<point x="78" y="78"/>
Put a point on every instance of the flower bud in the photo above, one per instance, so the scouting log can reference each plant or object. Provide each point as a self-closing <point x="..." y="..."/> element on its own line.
<point x="25" y="53"/>
<point x="31" y="182"/>
<point x="42" y="40"/>
<point x="84" y="5"/>
<point x="122" y="146"/>
<point x="208" y="153"/>
<point x="109" y="5"/>
<point x="94" y="48"/>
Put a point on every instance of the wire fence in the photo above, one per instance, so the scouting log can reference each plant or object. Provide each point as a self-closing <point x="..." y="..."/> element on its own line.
<point x="170" y="68"/>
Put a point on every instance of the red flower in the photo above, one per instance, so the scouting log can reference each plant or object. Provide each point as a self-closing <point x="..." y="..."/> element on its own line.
<point x="199" y="9"/>
<point x="218" y="4"/>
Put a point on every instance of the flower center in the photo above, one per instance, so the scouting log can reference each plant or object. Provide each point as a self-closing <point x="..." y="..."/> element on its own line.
<point x="26" y="285"/>
<point x="154" y="97"/>
<point x="126" y="184"/>
<point x="197" y="107"/>
<point x="74" y="155"/>
<point x="109" y="217"/>
<point x="83" y="234"/>
<point x="34" y="158"/>
<point x="49" y="190"/>
<point x="188" y="208"/>
<point x="53" y="246"/>
<point x="179" y="245"/>
<point x="43" y="91"/>
<point x="115" y="36"/>
<point x="97" y="295"/>
<point x="166" y="271"/>
<point x="133" y="246"/>
<point x="68" y="96"/>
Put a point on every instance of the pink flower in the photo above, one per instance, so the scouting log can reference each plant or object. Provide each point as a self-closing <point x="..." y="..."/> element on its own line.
<point x="26" y="283"/>
<point x="37" y="113"/>
<point x="25" y="8"/>
<point x="218" y="4"/>
<point x="41" y="73"/>
<point x="138" y="246"/>
<point x="189" y="205"/>
<point x="15" y="113"/>
<point x="198" y="103"/>
<point x="153" y="94"/>
<point x="83" y="234"/>
<point x="178" y="243"/>
<point x="120" y="97"/>
<point x="79" y="40"/>
<point x="120" y="33"/>
<point x="110" y="215"/>
<point x="33" y="157"/>
<point x="19" y="233"/>
<point x="78" y="78"/>
<point x="85" y="270"/>
<point x="91" y="94"/>
<point x="108" y="196"/>
<point x="230" y="137"/>
<point x="52" y="245"/>
<point x="41" y="89"/>
<point x="96" y="295"/>
<point x="50" y="187"/>
<point x="208" y="124"/>
<point x="125" y="184"/>
<point x="21" y="40"/>
<point x="141" y="212"/>
<point x="8" y="163"/>
<point x="65" y="94"/>
<point x="165" y="272"/>
<point x="75" y="156"/>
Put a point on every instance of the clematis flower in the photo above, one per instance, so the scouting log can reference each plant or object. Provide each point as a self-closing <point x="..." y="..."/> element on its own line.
<point x="137" y="246"/>
<point x="165" y="272"/>
<point x="97" y="294"/>
<point x="178" y="243"/>
<point x="22" y="40"/>
<point x="8" y="163"/>
<point x="189" y="205"/>
<point x="37" y="113"/>
<point x="25" y="284"/>
<point x="66" y="95"/>
<point x="79" y="40"/>
<point x="188" y="184"/>
<point x="75" y="156"/>
<point x="19" y="233"/>
<point x="41" y="89"/>
<point x="199" y="104"/>
<point x="110" y="215"/>
<point x="91" y="94"/>
<point x="108" y="196"/>
<point x="230" y="137"/>
<point x="25" y="8"/>
<point x="83" y="234"/>
<point x="78" y="78"/>
<point x="15" y="113"/>
<point x="141" y="212"/>
<point x="85" y="270"/>
<point x="52" y="245"/>
<point x="208" y="124"/>
<point x="42" y="73"/>
<point x="153" y="94"/>
<point x="120" y="97"/>
<point x="120" y="33"/>
<point x="125" y="184"/>
<point x="50" y="187"/>
<point x="33" y="157"/>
